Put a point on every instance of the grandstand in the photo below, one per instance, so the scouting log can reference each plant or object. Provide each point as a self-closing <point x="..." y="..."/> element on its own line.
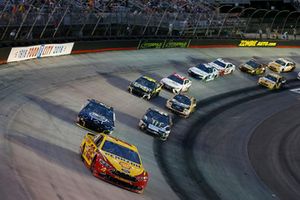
<point x="110" y="19"/>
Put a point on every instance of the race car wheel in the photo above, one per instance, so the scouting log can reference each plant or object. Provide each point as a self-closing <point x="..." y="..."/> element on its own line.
<point x="81" y="152"/>
<point x="142" y="127"/>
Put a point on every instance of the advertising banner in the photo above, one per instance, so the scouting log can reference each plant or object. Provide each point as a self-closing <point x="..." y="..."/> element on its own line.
<point x="256" y="43"/>
<point x="39" y="51"/>
<point x="162" y="44"/>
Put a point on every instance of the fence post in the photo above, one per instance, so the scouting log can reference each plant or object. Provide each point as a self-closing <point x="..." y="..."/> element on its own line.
<point x="23" y="21"/>
<point x="287" y="19"/>
<point x="283" y="11"/>
<point x="35" y="20"/>
<point x="61" y="20"/>
<point x="95" y="27"/>
<point x="220" y="30"/>
<point x="238" y="23"/>
<point x="147" y="24"/>
<point x="248" y="22"/>
<point x="158" y="26"/>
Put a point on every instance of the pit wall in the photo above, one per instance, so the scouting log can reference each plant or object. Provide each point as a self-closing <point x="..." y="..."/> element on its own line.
<point x="12" y="54"/>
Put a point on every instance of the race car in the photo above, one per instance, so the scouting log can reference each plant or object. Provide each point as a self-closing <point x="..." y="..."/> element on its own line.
<point x="176" y="83"/>
<point x="282" y="65"/>
<point x="222" y="66"/>
<point x="114" y="161"/>
<point x="253" y="67"/>
<point x="156" y="122"/>
<point x="182" y="104"/>
<point x="145" y="87"/>
<point x="203" y="72"/>
<point x="272" y="81"/>
<point x="97" y="117"/>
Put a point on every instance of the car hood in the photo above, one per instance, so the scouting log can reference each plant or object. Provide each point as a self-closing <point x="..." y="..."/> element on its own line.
<point x="142" y="87"/>
<point x="123" y="165"/>
<point x="274" y="64"/>
<point x="216" y="66"/>
<point x="267" y="81"/>
<point x="171" y="83"/>
<point x="198" y="71"/>
<point x="248" y="66"/>
<point x="174" y="101"/>
<point x="99" y="120"/>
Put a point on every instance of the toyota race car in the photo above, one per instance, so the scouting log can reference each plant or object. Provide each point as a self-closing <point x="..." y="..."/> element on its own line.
<point x="222" y="66"/>
<point x="145" y="87"/>
<point x="176" y="83"/>
<point x="253" y="67"/>
<point x="203" y="72"/>
<point x="114" y="161"/>
<point x="182" y="104"/>
<point x="157" y="123"/>
<point x="272" y="81"/>
<point x="97" y="117"/>
<point x="282" y="65"/>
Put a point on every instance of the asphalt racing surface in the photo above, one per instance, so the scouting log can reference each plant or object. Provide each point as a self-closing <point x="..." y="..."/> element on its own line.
<point x="241" y="143"/>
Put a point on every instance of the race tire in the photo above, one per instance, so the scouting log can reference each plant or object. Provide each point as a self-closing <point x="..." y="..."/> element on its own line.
<point x="143" y="127"/>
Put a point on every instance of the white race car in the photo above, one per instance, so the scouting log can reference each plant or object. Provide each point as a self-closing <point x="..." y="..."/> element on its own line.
<point x="176" y="83"/>
<point x="203" y="72"/>
<point x="222" y="66"/>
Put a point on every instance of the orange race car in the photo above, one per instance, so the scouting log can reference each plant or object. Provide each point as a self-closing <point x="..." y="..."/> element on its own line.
<point x="114" y="161"/>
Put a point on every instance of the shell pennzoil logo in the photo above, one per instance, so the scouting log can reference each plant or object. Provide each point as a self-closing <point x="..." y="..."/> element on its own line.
<point x="125" y="165"/>
<point x="256" y="43"/>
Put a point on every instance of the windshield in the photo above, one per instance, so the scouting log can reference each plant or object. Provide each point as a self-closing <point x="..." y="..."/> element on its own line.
<point x="145" y="82"/>
<point x="176" y="79"/>
<point x="280" y="62"/>
<point x="183" y="99"/>
<point x="121" y="151"/>
<point x="221" y="64"/>
<point x="153" y="114"/>
<point x="204" y="68"/>
<point x="272" y="78"/>
<point x="100" y="110"/>
<point x="253" y="64"/>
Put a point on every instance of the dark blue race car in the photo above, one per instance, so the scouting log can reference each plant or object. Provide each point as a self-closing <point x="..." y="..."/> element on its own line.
<point x="97" y="117"/>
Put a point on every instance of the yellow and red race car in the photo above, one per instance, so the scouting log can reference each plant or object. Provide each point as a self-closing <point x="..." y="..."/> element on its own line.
<point x="114" y="161"/>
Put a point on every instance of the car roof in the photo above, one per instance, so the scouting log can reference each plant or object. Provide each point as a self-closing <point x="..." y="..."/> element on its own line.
<point x="275" y="75"/>
<point x="159" y="111"/>
<point x="102" y="104"/>
<point x="179" y="76"/>
<point x="284" y="59"/>
<point x="119" y="142"/>
<point x="182" y="95"/>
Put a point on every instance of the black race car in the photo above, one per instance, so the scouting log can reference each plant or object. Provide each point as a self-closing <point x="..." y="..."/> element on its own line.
<point x="157" y="123"/>
<point x="145" y="87"/>
<point x="97" y="117"/>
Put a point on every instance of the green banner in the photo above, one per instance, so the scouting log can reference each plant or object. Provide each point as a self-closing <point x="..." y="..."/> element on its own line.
<point x="161" y="44"/>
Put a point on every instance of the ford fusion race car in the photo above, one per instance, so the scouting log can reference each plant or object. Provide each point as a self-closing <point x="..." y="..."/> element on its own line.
<point x="272" y="81"/>
<point x="182" y="104"/>
<point x="176" y="83"/>
<point x="114" y="161"/>
<point x="282" y="65"/>
<point x="222" y="66"/>
<point x="203" y="72"/>
<point x="96" y="116"/>
<point x="253" y="67"/>
<point x="145" y="87"/>
<point x="157" y="123"/>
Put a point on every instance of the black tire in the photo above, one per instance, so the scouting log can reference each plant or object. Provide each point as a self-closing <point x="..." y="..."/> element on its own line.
<point x="81" y="152"/>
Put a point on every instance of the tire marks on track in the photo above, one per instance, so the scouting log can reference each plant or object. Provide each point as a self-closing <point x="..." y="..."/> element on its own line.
<point x="212" y="106"/>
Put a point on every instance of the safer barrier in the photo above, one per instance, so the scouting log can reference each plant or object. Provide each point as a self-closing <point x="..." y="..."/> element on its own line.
<point x="9" y="54"/>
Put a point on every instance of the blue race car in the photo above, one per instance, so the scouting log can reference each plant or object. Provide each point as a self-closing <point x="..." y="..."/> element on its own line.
<point x="97" y="117"/>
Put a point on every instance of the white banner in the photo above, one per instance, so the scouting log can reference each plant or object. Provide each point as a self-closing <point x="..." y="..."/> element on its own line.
<point x="39" y="51"/>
